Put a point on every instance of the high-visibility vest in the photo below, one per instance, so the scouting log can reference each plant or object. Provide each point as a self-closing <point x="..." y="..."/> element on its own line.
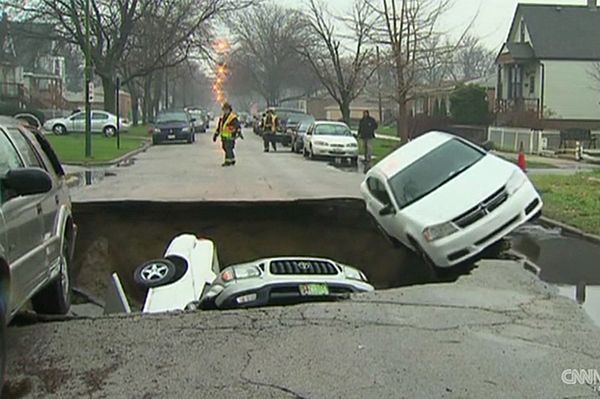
<point x="271" y="122"/>
<point x="226" y="128"/>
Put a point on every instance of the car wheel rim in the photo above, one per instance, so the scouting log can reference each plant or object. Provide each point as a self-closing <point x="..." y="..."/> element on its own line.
<point x="64" y="275"/>
<point x="110" y="132"/>
<point x="154" y="272"/>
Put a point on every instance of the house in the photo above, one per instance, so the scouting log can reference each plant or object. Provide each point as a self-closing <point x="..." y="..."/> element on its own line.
<point x="30" y="74"/>
<point x="545" y="74"/>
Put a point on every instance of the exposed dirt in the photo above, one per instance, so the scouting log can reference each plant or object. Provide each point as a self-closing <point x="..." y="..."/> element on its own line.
<point x="118" y="236"/>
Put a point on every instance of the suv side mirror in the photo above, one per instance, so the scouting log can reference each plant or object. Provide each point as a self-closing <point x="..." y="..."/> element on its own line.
<point x="27" y="181"/>
<point x="387" y="210"/>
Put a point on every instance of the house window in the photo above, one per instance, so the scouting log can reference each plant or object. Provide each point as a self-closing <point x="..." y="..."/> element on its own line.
<point x="532" y="84"/>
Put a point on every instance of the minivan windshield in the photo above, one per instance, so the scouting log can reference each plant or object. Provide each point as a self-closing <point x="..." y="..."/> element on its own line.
<point x="433" y="170"/>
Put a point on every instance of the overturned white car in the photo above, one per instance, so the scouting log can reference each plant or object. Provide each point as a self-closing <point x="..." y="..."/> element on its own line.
<point x="189" y="276"/>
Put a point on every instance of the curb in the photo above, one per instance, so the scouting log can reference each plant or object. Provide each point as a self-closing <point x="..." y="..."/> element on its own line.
<point x="116" y="161"/>
<point x="570" y="229"/>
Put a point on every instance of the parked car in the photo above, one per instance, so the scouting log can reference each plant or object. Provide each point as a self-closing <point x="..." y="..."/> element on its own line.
<point x="330" y="140"/>
<point x="298" y="136"/>
<point x="189" y="276"/>
<point x="447" y="199"/>
<point x="201" y="123"/>
<point x="286" y="116"/>
<point x="102" y="122"/>
<point x="37" y="232"/>
<point x="173" y="125"/>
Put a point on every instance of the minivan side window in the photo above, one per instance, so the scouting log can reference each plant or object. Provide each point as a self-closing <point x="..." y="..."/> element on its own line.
<point x="377" y="189"/>
<point x="9" y="160"/>
<point x="30" y="156"/>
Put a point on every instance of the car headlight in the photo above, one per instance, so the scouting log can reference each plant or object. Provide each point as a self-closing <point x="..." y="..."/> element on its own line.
<point x="352" y="145"/>
<point x="354" y="274"/>
<point x="156" y="130"/>
<point x="438" y="231"/>
<point x="323" y="143"/>
<point x="245" y="272"/>
<point x="515" y="182"/>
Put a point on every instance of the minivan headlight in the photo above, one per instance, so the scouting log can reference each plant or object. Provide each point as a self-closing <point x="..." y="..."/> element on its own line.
<point x="438" y="231"/>
<point x="515" y="182"/>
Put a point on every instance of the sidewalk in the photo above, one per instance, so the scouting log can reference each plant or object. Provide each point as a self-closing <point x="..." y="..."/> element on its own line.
<point x="559" y="163"/>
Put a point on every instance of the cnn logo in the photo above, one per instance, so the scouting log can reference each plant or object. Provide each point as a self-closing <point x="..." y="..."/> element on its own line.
<point x="589" y="377"/>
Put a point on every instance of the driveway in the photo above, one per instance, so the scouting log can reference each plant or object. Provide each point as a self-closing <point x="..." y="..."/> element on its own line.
<point x="183" y="172"/>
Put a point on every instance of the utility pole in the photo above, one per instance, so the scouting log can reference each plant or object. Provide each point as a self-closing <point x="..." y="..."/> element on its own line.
<point x="118" y="105"/>
<point x="88" y="80"/>
<point x="379" y="87"/>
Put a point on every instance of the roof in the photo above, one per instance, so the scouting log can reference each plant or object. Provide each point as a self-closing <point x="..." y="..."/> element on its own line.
<point x="410" y="152"/>
<point x="520" y="51"/>
<point x="561" y="31"/>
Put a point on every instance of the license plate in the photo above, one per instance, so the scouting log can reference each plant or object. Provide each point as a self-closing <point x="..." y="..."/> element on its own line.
<point x="171" y="136"/>
<point x="337" y="152"/>
<point x="314" y="290"/>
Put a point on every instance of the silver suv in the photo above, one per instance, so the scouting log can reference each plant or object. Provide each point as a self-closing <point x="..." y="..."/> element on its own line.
<point x="37" y="232"/>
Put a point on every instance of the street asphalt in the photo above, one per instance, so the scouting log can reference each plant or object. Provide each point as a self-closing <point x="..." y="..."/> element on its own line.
<point x="184" y="172"/>
<point x="498" y="332"/>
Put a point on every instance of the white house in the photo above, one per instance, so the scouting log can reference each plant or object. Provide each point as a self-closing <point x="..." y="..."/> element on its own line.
<point x="546" y="67"/>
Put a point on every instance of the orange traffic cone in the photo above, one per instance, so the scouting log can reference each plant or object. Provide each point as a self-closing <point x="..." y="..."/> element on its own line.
<point x="521" y="159"/>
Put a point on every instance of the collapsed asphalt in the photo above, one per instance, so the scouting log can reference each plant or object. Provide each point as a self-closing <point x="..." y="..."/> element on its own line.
<point x="119" y="236"/>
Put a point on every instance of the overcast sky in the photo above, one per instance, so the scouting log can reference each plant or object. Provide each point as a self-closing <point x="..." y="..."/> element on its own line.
<point x="493" y="17"/>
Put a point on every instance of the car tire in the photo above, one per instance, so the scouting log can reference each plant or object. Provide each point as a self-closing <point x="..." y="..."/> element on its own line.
<point x="109" y="131"/>
<point x="354" y="161"/>
<point x="55" y="298"/>
<point x="59" y="129"/>
<point x="437" y="271"/>
<point x="155" y="273"/>
<point x="311" y="154"/>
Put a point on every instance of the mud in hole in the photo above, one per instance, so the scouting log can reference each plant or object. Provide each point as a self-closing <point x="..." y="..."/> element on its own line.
<point x="118" y="236"/>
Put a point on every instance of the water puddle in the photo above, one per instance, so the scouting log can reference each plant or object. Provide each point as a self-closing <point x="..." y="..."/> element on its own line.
<point x="565" y="261"/>
<point x="91" y="176"/>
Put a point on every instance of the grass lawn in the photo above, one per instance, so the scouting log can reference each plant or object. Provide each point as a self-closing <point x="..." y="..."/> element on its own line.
<point x="71" y="148"/>
<point x="574" y="200"/>
<point x="389" y="130"/>
<point x="381" y="148"/>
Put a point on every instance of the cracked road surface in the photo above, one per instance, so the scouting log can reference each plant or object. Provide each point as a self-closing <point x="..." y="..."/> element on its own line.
<point x="496" y="333"/>
<point x="182" y="172"/>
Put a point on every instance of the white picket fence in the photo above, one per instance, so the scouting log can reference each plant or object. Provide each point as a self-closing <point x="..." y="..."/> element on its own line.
<point x="534" y="141"/>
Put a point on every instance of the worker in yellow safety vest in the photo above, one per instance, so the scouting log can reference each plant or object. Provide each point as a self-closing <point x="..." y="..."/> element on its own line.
<point x="270" y="122"/>
<point x="229" y="129"/>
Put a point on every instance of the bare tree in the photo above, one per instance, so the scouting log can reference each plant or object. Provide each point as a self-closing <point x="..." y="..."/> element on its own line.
<point x="114" y="23"/>
<point x="266" y="41"/>
<point x="405" y="29"/>
<point x="343" y="71"/>
<point x="472" y="60"/>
